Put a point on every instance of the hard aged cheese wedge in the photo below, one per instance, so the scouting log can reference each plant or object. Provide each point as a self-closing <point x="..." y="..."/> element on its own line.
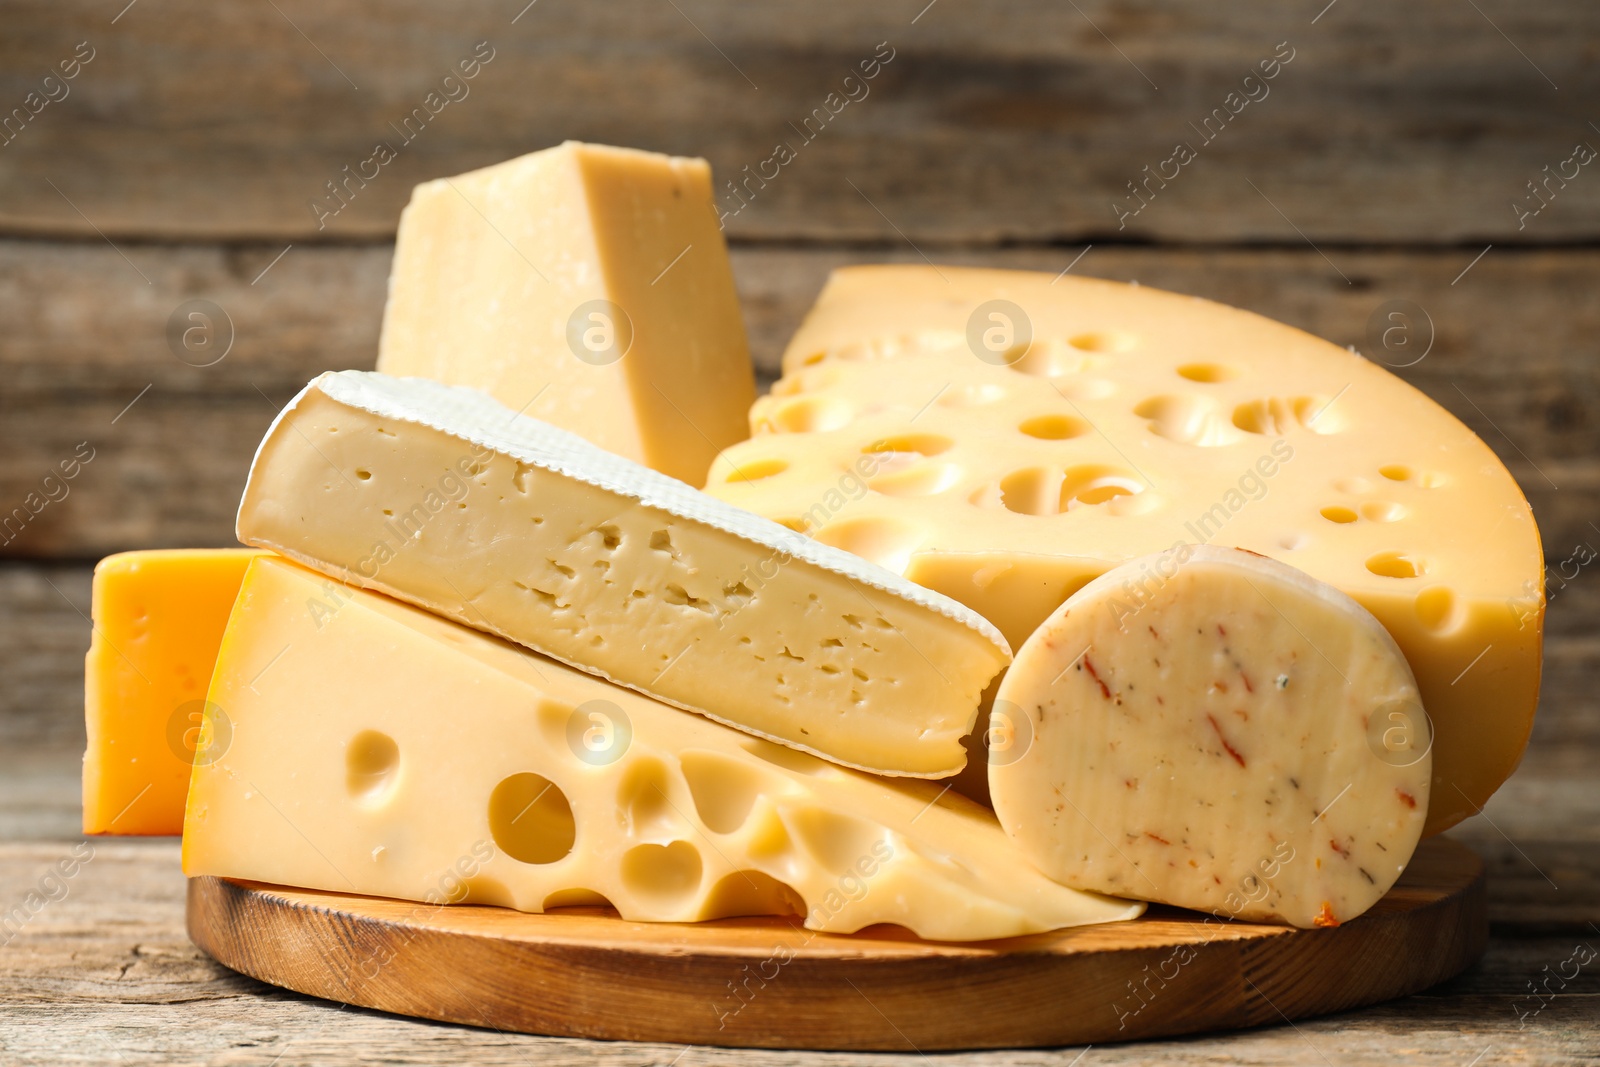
<point x="445" y="498"/>
<point x="385" y="751"/>
<point x="158" y="620"/>
<point x="1004" y="437"/>
<point x="1216" y="730"/>
<point x="586" y="285"/>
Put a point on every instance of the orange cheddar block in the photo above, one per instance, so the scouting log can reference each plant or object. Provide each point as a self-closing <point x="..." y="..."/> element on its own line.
<point x="158" y="622"/>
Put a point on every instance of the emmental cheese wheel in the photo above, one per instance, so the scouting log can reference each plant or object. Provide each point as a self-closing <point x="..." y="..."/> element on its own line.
<point x="1004" y="437"/>
<point x="1216" y="730"/>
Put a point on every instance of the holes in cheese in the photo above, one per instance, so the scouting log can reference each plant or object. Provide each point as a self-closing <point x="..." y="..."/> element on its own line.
<point x="1189" y="420"/>
<point x="724" y="790"/>
<point x="756" y="471"/>
<point x="1105" y="341"/>
<point x="1438" y="608"/>
<point x="916" y="479"/>
<point x="687" y="820"/>
<point x="1276" y="416"/>
<point x="1209" y="372"/>
<point x="1216" y="730"/>
<point x="531" y="819"/>
<point x="1303" y="452"/>
<point x="1383" y="511"/>
<point x="1046" y="491"/>
<point x="970" y="396"/>
<point x="1397" y="565"/>
<point x="528" y="532"/>
<point x="663" y="876"/>
<point x="809" y="414"/>
<point x="1054" y="427"/>
<point x="371" y="763"/>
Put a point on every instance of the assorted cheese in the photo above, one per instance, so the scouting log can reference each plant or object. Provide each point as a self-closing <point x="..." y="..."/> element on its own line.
<point x="445" y="498"/>
<point x="1005" y="437"/>
<point x="386" y="751"/>
<point x="1214" y="729"/>
<point x="585" y="285"/>
<point x="158" y="620"/>
<point x="956" y="462"/>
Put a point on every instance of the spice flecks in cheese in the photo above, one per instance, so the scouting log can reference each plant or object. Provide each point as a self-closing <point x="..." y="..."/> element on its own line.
<point x="443" y="497"/>
<point x="457" y="767"/>
<point x="158" y="621"/>
<point x="586" y="285"/>
<point x="1132" y="420"/>
<point x="1237" y="738"/>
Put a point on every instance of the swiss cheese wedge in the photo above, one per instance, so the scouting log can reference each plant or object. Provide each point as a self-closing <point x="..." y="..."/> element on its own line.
<point x="456" y="767"/>
<point x="1005" y="437"/>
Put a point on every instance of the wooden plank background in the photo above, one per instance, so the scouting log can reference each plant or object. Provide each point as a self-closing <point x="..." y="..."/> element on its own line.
<point x="1389" y="158"/>
<point x="1023" y="122"/>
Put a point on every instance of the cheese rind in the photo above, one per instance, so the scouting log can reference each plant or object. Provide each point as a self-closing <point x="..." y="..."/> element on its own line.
<point x="1216" y="730"/>
<point x="586" y="285"/>
<point x="442" y="497"/>
<point x="455" y="766"/>
<point x="158" y="621"/>
<point x="1133" y="420"/>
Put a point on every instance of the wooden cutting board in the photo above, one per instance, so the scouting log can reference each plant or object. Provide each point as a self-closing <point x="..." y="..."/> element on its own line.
<point x="583" y="972"/>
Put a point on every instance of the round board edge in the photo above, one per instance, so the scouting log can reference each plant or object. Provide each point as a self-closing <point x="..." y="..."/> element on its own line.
<point x="765" y="983"/>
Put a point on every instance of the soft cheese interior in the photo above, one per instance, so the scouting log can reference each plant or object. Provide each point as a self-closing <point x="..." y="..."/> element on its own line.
<point x="445" y="498"/>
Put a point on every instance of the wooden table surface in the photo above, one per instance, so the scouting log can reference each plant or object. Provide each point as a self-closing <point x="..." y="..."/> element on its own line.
<point x="1391" y="159"/>
<point x="105" y="972"/>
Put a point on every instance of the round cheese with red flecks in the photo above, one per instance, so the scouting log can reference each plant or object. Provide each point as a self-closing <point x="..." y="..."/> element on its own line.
<point x="1209" y="728"/>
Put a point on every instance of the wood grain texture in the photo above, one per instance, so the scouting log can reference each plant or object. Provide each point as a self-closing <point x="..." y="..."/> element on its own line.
<point x="1411" y="122"/>
<point x="1512" y="356"/>
<point x="108" y="973"/>
<point x="771" y="984"/>
<point x="109" y="967"/>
